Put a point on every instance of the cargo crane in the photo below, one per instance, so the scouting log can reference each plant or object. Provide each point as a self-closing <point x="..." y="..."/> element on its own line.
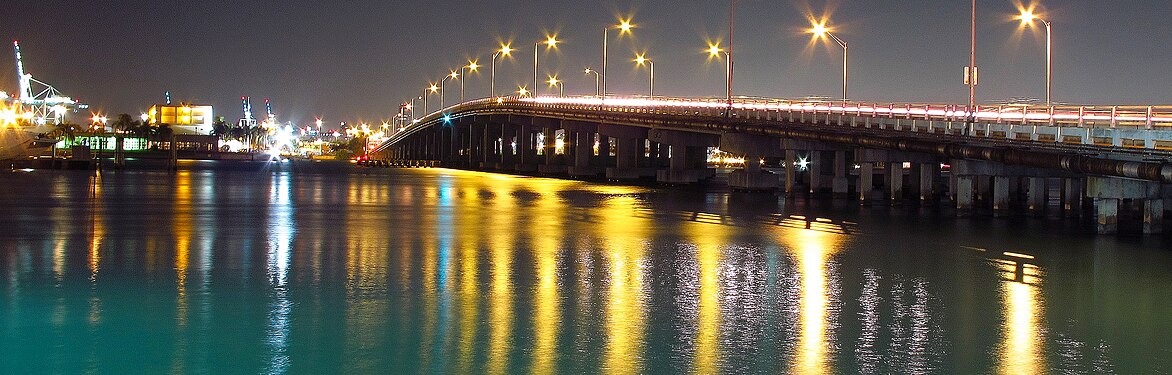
<point x="40" y="101"/>
<point x="271" y="119"/>
<point x="247" y="121"/>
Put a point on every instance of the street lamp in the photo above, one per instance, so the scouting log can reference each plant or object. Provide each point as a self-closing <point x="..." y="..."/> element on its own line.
<point x="597" y="90"/>
<point x="1027" y="19"/>
<point x="471" y="67"/>
<point x="411" y="106"/>
<point x="561" y="86"/>
<point x="429" y="90"/>
<point x="639" y="61"/>
<point x="521" y="91"/>
<point x="504" y="51"/>
<point x="550" y="42"/>
<point x="624" y="27"/>
<point x="453" y="75"/>
<point x="820" y="31"/>
<point x="714" y="50"/>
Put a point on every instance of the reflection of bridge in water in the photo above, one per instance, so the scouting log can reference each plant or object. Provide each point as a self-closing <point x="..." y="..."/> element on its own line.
<point x="1114" y="158"/>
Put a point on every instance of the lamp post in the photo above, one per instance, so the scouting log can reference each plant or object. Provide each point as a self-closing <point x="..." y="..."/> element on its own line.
<point x="821" y="31"/>
<point x="411" y="106"/>
<point x="714" y="50"/>
<point x="504" y="51"/>
<point x="639" y="61"/>
<point x="624" y="27"/>
<point x="471" y="67"/>
<point x="453" y="75"/>
<point x="561" y="86"/>
<point x="550" y="42"/>
<point x="1027" y="17"/>
<point x="597" y="90"/>
<point x="429" y="90"/>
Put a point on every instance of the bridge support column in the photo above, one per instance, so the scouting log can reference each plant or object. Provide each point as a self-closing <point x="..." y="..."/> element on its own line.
<point x="753" y="148"/>
<point x="964" y="195"/>
<point x="841" y="185"/>
<point x="815" y="171"/>
<point x="1036" y="195"/>
<point x="866" y="185"/>
<point x="583" y="142"/>
<point x="553" y="161"/>
<point x="626" y="160"/>
<point x="1072" y="196"/>
<point x="687" y="164"/>
<point x="1001" y="195"/>
<point x="1153" y="216"/>
<point x="1106" y="215"/>
<point x="1108" y="193"/>
<point x="928" y="173"/>
<point x="790" y="169"/>
<point x="895" y="182"/>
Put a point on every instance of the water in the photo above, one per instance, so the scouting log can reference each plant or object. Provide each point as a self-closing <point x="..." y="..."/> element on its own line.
<point x="323" y="268"/>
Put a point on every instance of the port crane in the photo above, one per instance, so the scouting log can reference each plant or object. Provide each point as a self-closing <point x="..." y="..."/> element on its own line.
<point x="40" y="102"/>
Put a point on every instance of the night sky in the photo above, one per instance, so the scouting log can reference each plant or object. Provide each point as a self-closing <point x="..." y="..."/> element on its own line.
<point x="356" y="60"/>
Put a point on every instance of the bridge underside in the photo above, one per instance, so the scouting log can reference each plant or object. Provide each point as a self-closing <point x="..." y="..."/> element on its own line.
<point x="890" y="160"/>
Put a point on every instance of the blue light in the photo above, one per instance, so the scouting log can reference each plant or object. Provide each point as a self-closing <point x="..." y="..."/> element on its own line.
<point x="447" y="119"/>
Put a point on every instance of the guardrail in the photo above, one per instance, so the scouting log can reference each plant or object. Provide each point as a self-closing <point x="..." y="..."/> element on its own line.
<point x="1088" y="117"/>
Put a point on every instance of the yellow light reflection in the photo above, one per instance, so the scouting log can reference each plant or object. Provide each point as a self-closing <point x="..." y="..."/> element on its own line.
<point x="812" y="251"/>
<point x="625" y="307"/>
<point x="500" y="294"/>
<point x="545" y="234"/>
<point x="181" y="228"/>
<point x="708" y="239"/>
<point x="1021" y="349"/>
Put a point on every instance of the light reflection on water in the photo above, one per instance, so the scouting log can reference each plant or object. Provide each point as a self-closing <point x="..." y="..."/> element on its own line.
<point x="293" y="270"/>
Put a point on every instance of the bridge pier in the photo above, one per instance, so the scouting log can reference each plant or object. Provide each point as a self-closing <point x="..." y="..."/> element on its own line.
<point x="928" y="173"/>
<point x="840" y="186"/>
<point x="553" y="162"/>
<point x="753" y="148"/>
<point x="866" y="184"/>
<point x="687" y="164"/>
<point x="965" y="196"/>
<point x="629" y="149"/>
<point x="1108" y="194"/>
<point x="1036" y="195"/>
<point x="1072" y="196"/>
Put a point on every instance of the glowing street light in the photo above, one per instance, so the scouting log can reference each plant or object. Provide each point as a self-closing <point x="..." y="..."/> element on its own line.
<point x="550" y="42"/>
<point x="428" y="91"/>
<point x="714" y="50"/>
<point x="821" y="31"/>
<point x="471" y="67"/>
<point x="1027" y="18"/>
<point x="640" y="60"/>
<point x="503" y="52"/>
<point x="560" y="85"/>
<point x="521" y="91"/>
<point x="624" y="27"/>
<point x="144" y="117"/>
<point x="453" y="75"/>
<point x="597" y="90"/>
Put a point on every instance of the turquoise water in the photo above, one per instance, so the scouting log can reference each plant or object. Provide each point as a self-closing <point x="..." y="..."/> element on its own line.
<point x="326" y="268"/>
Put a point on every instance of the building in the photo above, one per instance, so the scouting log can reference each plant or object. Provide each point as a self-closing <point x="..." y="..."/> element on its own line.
<point x="184" y="119"/>
<point x="191" y="124"/>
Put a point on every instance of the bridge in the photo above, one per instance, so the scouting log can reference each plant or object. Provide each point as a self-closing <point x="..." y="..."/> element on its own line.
<point x="1108" y="161"/>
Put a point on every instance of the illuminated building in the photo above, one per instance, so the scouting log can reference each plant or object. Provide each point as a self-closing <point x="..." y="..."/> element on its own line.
<point x="184" y="119"/>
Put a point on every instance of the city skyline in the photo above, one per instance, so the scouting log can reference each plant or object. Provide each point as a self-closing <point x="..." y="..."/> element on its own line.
<point x="357" y="61"/>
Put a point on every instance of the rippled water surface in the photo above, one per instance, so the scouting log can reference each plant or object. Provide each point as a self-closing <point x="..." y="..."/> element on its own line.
<point x="320" y="268"/>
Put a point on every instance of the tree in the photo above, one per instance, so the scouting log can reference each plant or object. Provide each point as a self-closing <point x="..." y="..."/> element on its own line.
<point x="221" y="129"/>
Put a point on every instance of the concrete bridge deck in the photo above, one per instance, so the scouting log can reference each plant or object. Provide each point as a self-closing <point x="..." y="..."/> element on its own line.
<point x="1115" y="156"/>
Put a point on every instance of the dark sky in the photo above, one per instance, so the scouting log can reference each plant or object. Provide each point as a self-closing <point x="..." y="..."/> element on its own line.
<point x="351" y="60"/>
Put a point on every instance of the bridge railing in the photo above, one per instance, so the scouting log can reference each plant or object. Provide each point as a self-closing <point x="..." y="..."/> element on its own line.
<point x="1095" y="116"/>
